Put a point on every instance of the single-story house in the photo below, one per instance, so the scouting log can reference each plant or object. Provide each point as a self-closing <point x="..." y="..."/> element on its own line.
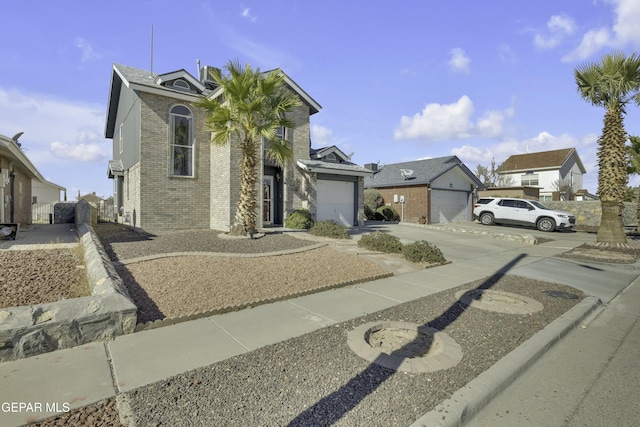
<point x="17" y="175"/>
<point x="555" y="171"/>
<point x="160" y="183"/>
<point x="440" y="190"/>
<point x="47" y="192"/>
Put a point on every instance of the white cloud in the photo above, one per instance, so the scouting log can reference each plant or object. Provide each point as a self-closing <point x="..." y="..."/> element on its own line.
<point x="558" y="27"/>
<point x="441" y="122"/>
<point x="321" y="136"/>
<point x="624" y="32"/>
<point x="246" y="13"/>
<point x="459" y="61"/>
<point x="53" y="126"/>
<point x="506" y="53"/>
<point x="592" y="41"/>
<point x="627" y="26"/>
<point x="88" y="52"/>
<point x="78" y="152"/>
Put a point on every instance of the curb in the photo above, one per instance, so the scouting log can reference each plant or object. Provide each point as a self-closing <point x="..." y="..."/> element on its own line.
<point x="465" y="403"/>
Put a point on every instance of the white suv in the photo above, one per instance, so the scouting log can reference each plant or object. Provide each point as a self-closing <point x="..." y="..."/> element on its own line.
<point x="502" y="210"/>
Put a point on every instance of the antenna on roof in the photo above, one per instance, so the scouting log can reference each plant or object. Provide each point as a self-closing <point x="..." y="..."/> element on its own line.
<point x="151" y="52"/>
<point x="406" y="173"/>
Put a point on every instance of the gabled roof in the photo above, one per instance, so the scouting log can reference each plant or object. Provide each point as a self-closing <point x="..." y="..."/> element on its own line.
<point x="543" y="160"/>
<point x="417" y="172"/>
<point x="313" y="105"/>
<point x="12" y="151"/>
<point x="320" y="153"/>
<point x="341" y="166"/>
<point x="147" y="81"/>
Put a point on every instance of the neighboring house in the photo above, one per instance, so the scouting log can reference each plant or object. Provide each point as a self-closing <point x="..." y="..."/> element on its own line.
<point x="92" y="199"/>
<point x="441" y="190"/>
<point x="556" y="171"/>
<point x="168" y="174"/>
<point x="47" y="192"/>
<point x="17" y="175"/>
<point x="44" y="196"/>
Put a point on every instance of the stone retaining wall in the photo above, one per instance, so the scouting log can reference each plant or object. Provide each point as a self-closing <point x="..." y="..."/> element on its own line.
<point x="588" y="213"/>
<point x="108" y="312"/>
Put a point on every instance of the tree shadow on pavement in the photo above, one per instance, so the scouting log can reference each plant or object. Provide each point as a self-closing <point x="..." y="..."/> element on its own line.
<point x="330" y="409"/>
<point x="148" y="311"/>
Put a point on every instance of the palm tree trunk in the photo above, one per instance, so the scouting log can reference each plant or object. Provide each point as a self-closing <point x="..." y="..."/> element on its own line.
<point x="611" y="228"/>
<point x="637" y="208"/>
<point x="246" y="214"/>
<point x="612" y="178"/>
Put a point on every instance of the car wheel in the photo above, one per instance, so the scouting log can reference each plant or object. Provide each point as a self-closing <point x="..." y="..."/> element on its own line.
<point x="486" y="218"/>
<point x="546" y="224"/>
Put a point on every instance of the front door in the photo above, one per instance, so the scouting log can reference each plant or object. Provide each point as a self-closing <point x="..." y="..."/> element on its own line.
<point x="267" y="199"/>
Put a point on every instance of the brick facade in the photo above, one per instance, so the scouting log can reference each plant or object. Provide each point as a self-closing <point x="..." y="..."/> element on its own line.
<point x="416" y="201"/>
<point x="162" y="200"/>
<point x="152" y="198"/>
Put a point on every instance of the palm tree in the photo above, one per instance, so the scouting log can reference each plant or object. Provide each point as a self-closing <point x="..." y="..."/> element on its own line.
<point x="612" y="83"/>
<point x="634" y="168"/>
<point x="247" y="108"/>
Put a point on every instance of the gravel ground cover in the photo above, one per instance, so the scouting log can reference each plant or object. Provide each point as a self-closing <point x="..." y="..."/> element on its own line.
<point x="178" y="286"/>
<point x="40" y="276"/>
<point x="181" y="286"/>
<point x="122" y="242"/>
<point x="316" y="379"/>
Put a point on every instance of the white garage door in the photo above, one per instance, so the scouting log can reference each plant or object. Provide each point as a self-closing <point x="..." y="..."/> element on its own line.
<point x="449" y="206"/>
<point x="335" y="201"/>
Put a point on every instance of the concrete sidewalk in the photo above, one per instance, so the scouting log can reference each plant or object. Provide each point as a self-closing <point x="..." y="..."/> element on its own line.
<point x="43" y="236"/>
<point x="83" y="375"/>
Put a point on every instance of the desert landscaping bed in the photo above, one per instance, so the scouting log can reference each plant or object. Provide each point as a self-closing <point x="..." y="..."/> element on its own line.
<point x="317" y="379"/>
<point x="183" y="285"/>
<point x="40" y="276"/>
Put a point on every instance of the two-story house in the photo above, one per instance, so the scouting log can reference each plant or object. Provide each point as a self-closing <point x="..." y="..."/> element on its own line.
<point x="555" y="171"/>
<point x="168" y="174"/>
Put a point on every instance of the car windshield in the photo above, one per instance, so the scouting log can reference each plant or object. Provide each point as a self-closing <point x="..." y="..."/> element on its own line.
<point x="538" y="205"/>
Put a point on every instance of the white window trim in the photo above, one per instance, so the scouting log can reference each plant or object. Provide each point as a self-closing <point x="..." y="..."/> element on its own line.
<point x="121" y="138"/>
<point x="172" y="145"/>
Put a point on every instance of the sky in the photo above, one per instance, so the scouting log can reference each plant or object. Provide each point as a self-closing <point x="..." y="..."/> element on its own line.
<point x="397" y="81"/>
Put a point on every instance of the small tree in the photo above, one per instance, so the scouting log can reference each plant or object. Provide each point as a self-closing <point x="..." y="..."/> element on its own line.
<point x="372" y="201"/>
<point x="252" y="107"/>
<point x="564" y="188"/>
<point x="490" y="176"/>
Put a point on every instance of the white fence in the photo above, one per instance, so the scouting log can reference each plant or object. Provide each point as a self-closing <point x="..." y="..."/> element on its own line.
<point x="42" y="213"/>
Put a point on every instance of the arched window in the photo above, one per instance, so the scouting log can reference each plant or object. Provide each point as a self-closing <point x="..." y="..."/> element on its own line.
<point x="181" y="84"/>
<point x="181" y="141"/>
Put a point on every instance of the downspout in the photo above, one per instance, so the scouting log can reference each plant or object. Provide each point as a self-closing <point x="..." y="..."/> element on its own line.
<point x="12" y="206"/>
<point x="2" y="200"/>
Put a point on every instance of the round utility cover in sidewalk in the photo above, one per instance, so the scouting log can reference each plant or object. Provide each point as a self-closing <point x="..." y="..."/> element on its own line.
<point x="498" y="301"/>
<point x="403" y="346"/>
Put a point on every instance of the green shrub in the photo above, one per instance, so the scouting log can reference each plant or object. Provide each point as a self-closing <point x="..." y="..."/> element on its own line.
<point x="329" y="228"/>
<point x="372" y="201"/>
<point x="423" y="251"/>
<point x="300" y="219"/>
<point x="386" y="213"/>
<point x="381" y="242"/>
